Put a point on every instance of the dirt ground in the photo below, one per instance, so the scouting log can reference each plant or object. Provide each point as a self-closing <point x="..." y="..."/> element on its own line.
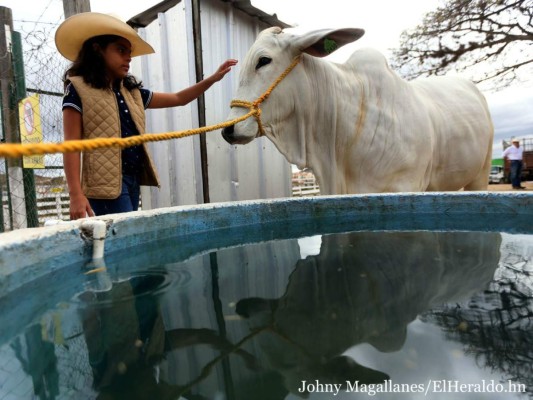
<point x="502" y="187"/>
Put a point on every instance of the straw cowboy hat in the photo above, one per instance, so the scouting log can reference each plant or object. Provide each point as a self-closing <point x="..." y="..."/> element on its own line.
<point x="75" y="30"/>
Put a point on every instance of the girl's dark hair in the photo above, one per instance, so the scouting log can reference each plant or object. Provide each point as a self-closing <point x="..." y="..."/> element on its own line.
<point x="91" y="65"/>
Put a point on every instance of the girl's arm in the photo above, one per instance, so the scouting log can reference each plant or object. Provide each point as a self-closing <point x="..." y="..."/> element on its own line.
<point x="72" y="127"/>
<point x="163" y="100"/>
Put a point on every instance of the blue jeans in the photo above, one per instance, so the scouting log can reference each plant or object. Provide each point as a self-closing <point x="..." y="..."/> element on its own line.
<point x="516" y="173"/>
<point x="128" y="200"/>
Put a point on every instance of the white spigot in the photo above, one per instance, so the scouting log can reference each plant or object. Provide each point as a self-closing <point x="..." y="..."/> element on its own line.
<point x="99" y="231"/>
<point x="97" y="265"/>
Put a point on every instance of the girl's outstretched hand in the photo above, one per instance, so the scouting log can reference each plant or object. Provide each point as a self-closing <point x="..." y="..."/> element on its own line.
<point x="224" y="68"/>
<point x="80" y="207"/>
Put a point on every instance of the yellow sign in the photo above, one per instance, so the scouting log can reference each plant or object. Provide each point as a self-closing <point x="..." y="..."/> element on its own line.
<point x="30" y="128"/>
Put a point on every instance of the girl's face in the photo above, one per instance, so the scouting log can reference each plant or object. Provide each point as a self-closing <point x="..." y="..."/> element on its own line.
<point x="117" y="56"/>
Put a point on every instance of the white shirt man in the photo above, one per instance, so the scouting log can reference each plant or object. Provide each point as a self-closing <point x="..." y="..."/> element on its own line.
<point x="514" y="155"/>
<point x="514" y="152"/>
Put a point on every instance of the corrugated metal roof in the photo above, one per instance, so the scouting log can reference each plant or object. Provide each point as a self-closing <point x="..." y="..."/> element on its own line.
<point x="146" y="17"/>
<point x="246" y="6"/>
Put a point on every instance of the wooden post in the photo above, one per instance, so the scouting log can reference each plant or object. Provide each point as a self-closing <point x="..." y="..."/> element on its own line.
<point x="72" y="7"/>
<point x="10" y="117"/>
<point x="7" y="79"/>
<point x="199" y="66"/>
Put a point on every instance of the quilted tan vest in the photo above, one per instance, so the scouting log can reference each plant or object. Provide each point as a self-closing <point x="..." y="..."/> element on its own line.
<point x="101" y="172"/>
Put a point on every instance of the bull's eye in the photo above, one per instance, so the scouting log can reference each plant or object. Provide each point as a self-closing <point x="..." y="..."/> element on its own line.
<point x="263" y="61"/>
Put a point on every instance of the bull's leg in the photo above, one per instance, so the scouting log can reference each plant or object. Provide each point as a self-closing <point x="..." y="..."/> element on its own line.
<point x="481" y="181"/>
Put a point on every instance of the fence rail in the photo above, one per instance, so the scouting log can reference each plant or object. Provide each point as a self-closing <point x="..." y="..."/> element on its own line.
<point x="52" y="205"/>
<point x="53" y="200"/>
<point x="305" y="186"/>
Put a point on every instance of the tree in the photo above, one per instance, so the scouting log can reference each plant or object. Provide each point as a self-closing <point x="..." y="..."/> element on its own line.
<point x="492" y="40"/>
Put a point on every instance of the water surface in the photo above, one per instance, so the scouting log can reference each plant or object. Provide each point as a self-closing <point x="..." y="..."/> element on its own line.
<point x="420" y="312"/>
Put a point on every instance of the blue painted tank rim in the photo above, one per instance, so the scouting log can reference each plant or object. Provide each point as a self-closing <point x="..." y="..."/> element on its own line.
<point x="510" y="202"/>
<point x="23" y="251"/>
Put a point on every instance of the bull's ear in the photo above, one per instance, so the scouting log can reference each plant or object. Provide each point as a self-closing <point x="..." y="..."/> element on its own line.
<point x="325" y="41"/>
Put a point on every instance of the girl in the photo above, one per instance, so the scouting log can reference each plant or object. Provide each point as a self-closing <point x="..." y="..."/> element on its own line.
<point x="103" y="100"/>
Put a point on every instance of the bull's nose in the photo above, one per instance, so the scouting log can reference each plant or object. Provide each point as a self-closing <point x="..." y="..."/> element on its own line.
<point x="227" y="133"/>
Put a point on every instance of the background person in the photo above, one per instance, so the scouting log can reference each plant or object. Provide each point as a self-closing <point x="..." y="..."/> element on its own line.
<point x="514" y="155"/>
<point x="103" y="100"/>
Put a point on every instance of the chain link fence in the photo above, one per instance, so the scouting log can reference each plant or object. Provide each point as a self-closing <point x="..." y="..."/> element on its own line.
<point x="33" y="189"/>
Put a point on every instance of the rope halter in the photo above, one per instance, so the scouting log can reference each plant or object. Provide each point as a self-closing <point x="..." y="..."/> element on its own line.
<point x="253" y="106"/>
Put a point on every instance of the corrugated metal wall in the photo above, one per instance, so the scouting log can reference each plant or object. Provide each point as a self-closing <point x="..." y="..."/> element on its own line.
<point x="254" y="171"/>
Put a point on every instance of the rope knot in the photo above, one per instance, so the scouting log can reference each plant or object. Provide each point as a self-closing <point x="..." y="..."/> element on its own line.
<point x="254" y="106"/>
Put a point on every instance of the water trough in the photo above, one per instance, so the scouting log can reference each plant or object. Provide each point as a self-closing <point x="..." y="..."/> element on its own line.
<point x="44" y="270"/>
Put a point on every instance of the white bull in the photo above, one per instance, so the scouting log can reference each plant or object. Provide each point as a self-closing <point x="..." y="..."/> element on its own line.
<point x="358" y="126"/>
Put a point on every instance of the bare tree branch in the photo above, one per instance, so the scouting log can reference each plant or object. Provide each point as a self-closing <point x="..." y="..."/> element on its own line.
<point x="478" y="37"/>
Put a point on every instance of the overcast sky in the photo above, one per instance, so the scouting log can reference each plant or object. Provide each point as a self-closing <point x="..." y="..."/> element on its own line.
<point x="383" y="21"/>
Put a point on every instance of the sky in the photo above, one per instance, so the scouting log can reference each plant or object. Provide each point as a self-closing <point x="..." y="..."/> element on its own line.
<point x="382" y="20"/>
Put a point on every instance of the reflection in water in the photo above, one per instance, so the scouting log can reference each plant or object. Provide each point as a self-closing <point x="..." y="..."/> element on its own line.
<point x="126" y="340"/>
<point x="495" y="325"/>
<point x="364" y="288"/>
<point x="38" y="360"/>
<point x="254" y="322"/>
